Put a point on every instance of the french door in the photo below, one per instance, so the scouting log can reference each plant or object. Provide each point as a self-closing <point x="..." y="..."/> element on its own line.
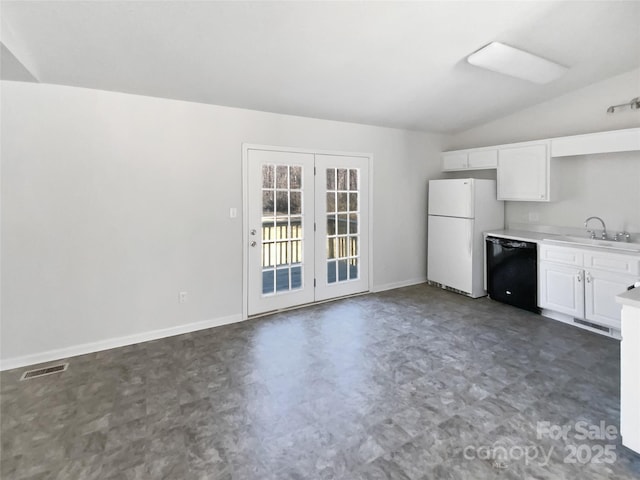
<point x="307" y="228"/>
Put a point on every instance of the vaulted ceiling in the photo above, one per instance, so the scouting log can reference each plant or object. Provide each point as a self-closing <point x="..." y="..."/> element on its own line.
<point x="399" y="64"/>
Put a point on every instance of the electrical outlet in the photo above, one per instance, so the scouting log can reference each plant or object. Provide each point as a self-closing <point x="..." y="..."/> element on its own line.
<point x="182" y="297"/>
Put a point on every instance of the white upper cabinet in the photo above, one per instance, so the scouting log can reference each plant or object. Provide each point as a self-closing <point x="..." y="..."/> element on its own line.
<point x="523" y="169"/>
<point x="483" y="158"/>
<point x="454" y="161"/>
<point x="524" y="172"/>
<point x="475" y="159"/>
<point x="626" y="140"/>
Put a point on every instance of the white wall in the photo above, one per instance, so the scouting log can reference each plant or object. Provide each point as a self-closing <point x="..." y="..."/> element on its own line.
<point x="603" y="185"/>
<point x="113" y="203"/>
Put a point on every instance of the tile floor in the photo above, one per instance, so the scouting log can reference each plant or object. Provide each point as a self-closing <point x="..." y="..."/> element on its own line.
<point x="415" y="383"/>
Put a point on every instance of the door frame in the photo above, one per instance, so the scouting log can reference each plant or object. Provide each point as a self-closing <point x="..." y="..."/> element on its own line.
<point x="245" y="218"/>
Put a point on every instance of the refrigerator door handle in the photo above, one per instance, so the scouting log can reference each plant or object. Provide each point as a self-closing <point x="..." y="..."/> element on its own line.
<point x="470" y="240"/>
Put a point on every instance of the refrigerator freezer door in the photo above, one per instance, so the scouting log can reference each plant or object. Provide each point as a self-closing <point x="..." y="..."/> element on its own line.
<point x="451" y="198"/>
<point x="450" y="252"/>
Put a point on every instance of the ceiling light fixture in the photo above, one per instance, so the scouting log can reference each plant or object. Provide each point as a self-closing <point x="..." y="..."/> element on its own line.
<point x="507" y="60"/>
<point x="634" y="104"/>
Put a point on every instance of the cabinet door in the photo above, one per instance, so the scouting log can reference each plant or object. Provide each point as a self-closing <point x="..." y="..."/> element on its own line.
<point x="483" y="159"/>
<point x="523" y="173"/>
<point x="560" y="289"/>
<point x="454" y="161"/>
<point x="601" y="288"/>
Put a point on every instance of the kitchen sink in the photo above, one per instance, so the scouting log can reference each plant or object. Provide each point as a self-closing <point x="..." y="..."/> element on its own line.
<point x="596" y="242"/>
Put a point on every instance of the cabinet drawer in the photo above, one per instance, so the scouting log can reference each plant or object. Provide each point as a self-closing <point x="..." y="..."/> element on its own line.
<point x="612" y="262"/>
<point x="567" y="256"/>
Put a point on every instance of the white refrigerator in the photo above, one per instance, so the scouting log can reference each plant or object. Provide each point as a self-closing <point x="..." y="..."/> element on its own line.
<point x="460" y="210"/>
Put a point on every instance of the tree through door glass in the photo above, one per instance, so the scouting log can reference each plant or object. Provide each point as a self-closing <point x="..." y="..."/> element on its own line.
<point x="281" y="228"/>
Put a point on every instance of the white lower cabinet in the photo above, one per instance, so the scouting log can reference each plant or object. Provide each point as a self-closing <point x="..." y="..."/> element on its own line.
<point x="600" y="290"/>
<point x="560" y="289"/>
<point x="569" y="285"/>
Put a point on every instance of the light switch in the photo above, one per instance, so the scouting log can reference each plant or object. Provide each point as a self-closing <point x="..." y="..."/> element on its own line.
<point x="233" y="212"/>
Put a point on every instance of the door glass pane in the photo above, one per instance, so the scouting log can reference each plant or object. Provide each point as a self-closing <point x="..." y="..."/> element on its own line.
<point x="353" y="202"/>
<point x="267" y="176"/>
<point x="268" y="229"/>
<point x="353" y="268"/>
<point x="331" y="247"/>
<point x="267" y="203"/>
<point x="342" y="202"/>
<point x="353" y="223"/>
<point x="282" y="203"/>
<point x="282" y="224"/>
<point x="282" y="229"/>
<point x="331" y="224"/>
<point x="342" y="224"/>
<point x="282" y="176"/>
<point x="353" y="246"/>
<point x="268" y="257"/>
<point x="331" y="202"/>
<point x="342" y="270"/>
<point x="343" y="239"/>
<point x="296" y="203"/>
<point x="282" y="253"/>
<point x="342" y="179"/>
<point x="331" y="272"/>
<point x="296" y="251"/>
<point x="331" y="179"/>
<point x="282" y="279"/>
<point x="353" y="180"/>
<point x="295" y="178"/>
<point x="268" y="284"/>
<point x="296" y="227"/>
<point x="296" y="277"/>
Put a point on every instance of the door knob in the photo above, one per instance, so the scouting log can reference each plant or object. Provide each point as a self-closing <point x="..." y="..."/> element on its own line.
<point x="253" y="231"/>
<point x="253" y="244"/>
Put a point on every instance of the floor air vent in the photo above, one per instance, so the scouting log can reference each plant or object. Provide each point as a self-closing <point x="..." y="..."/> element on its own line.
<point x="41" y="372"/>
<point x="591" y="325"/>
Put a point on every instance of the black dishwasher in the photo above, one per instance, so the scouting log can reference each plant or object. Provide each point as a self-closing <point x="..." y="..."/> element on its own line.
<point x="512" y="272"/>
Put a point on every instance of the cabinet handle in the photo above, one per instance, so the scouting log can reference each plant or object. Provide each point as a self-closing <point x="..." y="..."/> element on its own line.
<point x="588" y="277"/>
<point x="579" y="276"/>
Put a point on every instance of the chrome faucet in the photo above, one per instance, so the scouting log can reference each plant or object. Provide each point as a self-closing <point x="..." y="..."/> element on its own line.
<point x="622" y="236"/>
<point x="592" y="232"/>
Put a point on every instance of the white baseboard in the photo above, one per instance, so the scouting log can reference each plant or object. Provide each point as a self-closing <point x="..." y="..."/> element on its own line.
<point x="73" y="351"/>
<point x="404" y="283"/>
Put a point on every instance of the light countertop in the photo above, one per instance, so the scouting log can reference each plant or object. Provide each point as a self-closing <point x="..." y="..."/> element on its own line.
<point x="630" y="297"/>
<point x="521" y="235"/>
